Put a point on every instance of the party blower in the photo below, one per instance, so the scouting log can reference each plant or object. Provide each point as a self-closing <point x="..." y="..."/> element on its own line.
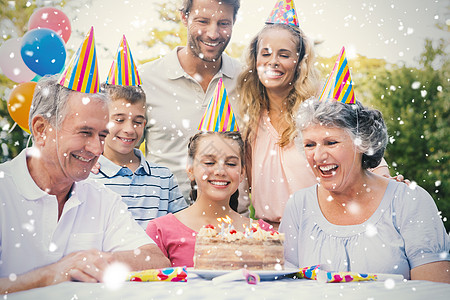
<point x="177" y="274"/>
<point x="322" y="274"/>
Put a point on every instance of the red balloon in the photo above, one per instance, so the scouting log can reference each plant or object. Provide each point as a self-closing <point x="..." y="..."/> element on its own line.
<point x="19" y="103"/>
<point x="51" y="18"/>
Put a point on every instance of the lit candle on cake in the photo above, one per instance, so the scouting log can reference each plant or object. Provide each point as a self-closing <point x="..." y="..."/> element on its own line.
<point x="222" y="229"/>
<point x="246" y="232"/>
<point x="227" y="220"/>
<point x="221" y="226"/>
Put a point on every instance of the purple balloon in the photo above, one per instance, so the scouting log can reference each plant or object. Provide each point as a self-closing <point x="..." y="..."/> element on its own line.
<point x="11" y="61"/>
<point x="43" y="51"/>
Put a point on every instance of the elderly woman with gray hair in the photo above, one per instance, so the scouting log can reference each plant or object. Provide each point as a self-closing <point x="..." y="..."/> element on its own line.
<point x="353" y="219"/>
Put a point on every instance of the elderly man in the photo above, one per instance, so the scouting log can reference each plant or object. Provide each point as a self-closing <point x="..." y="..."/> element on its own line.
<point x="55" y="225"/>
<point x="180" y="85"/>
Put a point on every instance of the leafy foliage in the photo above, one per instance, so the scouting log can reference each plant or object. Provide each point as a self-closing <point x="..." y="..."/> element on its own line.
<point x="15" y="17"/>
<point x="414" y="102"/>
<point x="169" y="38"/>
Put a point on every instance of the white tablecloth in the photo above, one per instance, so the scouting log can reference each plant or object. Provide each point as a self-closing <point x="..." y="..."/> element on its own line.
<point x="197" y="288"/>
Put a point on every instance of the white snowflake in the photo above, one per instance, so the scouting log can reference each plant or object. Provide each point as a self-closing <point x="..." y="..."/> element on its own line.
<point x="115" y="275"/>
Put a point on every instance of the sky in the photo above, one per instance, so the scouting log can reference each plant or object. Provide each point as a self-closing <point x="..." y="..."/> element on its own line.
<point x="394" y="30"/>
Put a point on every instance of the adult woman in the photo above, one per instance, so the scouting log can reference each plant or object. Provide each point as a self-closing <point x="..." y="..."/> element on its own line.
<point x="355" y="220"/>
<point x="280" y="75"/>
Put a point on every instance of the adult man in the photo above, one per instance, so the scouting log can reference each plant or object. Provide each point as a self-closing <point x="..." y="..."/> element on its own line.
<point x="180" y="85"/>
<point x="55" y="226"/>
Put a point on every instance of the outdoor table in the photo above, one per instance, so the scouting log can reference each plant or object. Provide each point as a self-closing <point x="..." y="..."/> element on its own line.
<point x="280" y="289"/>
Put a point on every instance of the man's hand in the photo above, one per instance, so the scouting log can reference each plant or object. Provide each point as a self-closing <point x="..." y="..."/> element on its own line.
<point x="85" y="266"/>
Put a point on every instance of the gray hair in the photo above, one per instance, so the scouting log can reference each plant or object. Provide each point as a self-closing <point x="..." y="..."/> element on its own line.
<point x="365" y="126"/>
<point x="51" y="98"/>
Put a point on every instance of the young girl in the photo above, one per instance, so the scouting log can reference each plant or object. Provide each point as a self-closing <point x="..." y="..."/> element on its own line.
<point x="216" y="167"/>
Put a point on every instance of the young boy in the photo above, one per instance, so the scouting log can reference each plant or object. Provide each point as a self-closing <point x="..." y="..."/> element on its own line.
<point x="149" y="190"/>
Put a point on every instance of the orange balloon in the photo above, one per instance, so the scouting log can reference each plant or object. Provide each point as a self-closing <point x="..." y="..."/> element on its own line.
<point x="19" y="103"/>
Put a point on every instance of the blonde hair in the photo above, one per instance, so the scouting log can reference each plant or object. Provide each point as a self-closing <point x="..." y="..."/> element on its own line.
<point x="252" y="92"/>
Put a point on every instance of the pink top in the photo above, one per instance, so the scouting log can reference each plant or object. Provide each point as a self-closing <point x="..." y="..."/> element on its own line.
<point x="176" y="240"/>
<point x="276" y="172"/>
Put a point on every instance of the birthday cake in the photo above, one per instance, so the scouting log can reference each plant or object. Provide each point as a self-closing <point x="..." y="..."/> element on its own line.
<point x="254" y="249"/>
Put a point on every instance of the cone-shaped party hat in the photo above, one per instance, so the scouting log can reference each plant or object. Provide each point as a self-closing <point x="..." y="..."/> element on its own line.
<point x="339" y="85"/>
<point x="283" y="13"/>
<point x="81" y="74"/>
<point x="219" y="115"/>
<point x="123" y="69"/>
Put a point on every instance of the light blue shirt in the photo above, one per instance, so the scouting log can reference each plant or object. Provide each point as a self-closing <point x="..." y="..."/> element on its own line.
<point x="404" y="232"/>
<point x="150" y="192"/>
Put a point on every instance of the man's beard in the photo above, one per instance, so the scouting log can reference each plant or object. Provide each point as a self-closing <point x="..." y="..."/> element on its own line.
<point x="195" y="48"/>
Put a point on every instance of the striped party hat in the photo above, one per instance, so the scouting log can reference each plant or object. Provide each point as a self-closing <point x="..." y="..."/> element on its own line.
<point x="123" y="69"/>
<point x="283" y="13"/>
<point x="219" y="115"/>
<point x="339" y="85"/>
<point x="81" y="74"/>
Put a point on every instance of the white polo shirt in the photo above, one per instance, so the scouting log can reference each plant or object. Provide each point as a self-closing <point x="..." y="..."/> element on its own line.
<point x="31" y="235"/>
<point x="176" y="104"/>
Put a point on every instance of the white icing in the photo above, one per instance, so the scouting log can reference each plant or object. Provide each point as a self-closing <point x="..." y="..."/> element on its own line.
<point x="260" y="235"/>
<point x="207" y="232"/>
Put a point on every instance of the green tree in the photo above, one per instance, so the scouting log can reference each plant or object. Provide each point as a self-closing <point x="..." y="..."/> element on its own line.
<point x="414" y="102"/>
<point x="13" y="15"/>
<point x="169" y="38"/>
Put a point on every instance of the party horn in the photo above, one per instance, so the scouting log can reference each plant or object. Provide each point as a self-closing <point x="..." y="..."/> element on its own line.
<point x="330" y="277"/>
<point x="321" y="273"/>
<point x="250" y="277"/>
<point x="177" y="274"/>
<point x="311" y="272"/>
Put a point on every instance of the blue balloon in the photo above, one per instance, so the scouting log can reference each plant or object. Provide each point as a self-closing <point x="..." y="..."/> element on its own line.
<point x="43" y="51"/>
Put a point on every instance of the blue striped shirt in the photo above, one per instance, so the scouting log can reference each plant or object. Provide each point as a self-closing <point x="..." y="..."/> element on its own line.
<point x="150" y="192"/>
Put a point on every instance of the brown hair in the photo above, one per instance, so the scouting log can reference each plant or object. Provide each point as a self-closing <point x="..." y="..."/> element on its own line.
<point x="132" y="94"/>
<point x="253" y="99"/>
<point x="187" y="5"/>
<point x="192" y="152"/>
